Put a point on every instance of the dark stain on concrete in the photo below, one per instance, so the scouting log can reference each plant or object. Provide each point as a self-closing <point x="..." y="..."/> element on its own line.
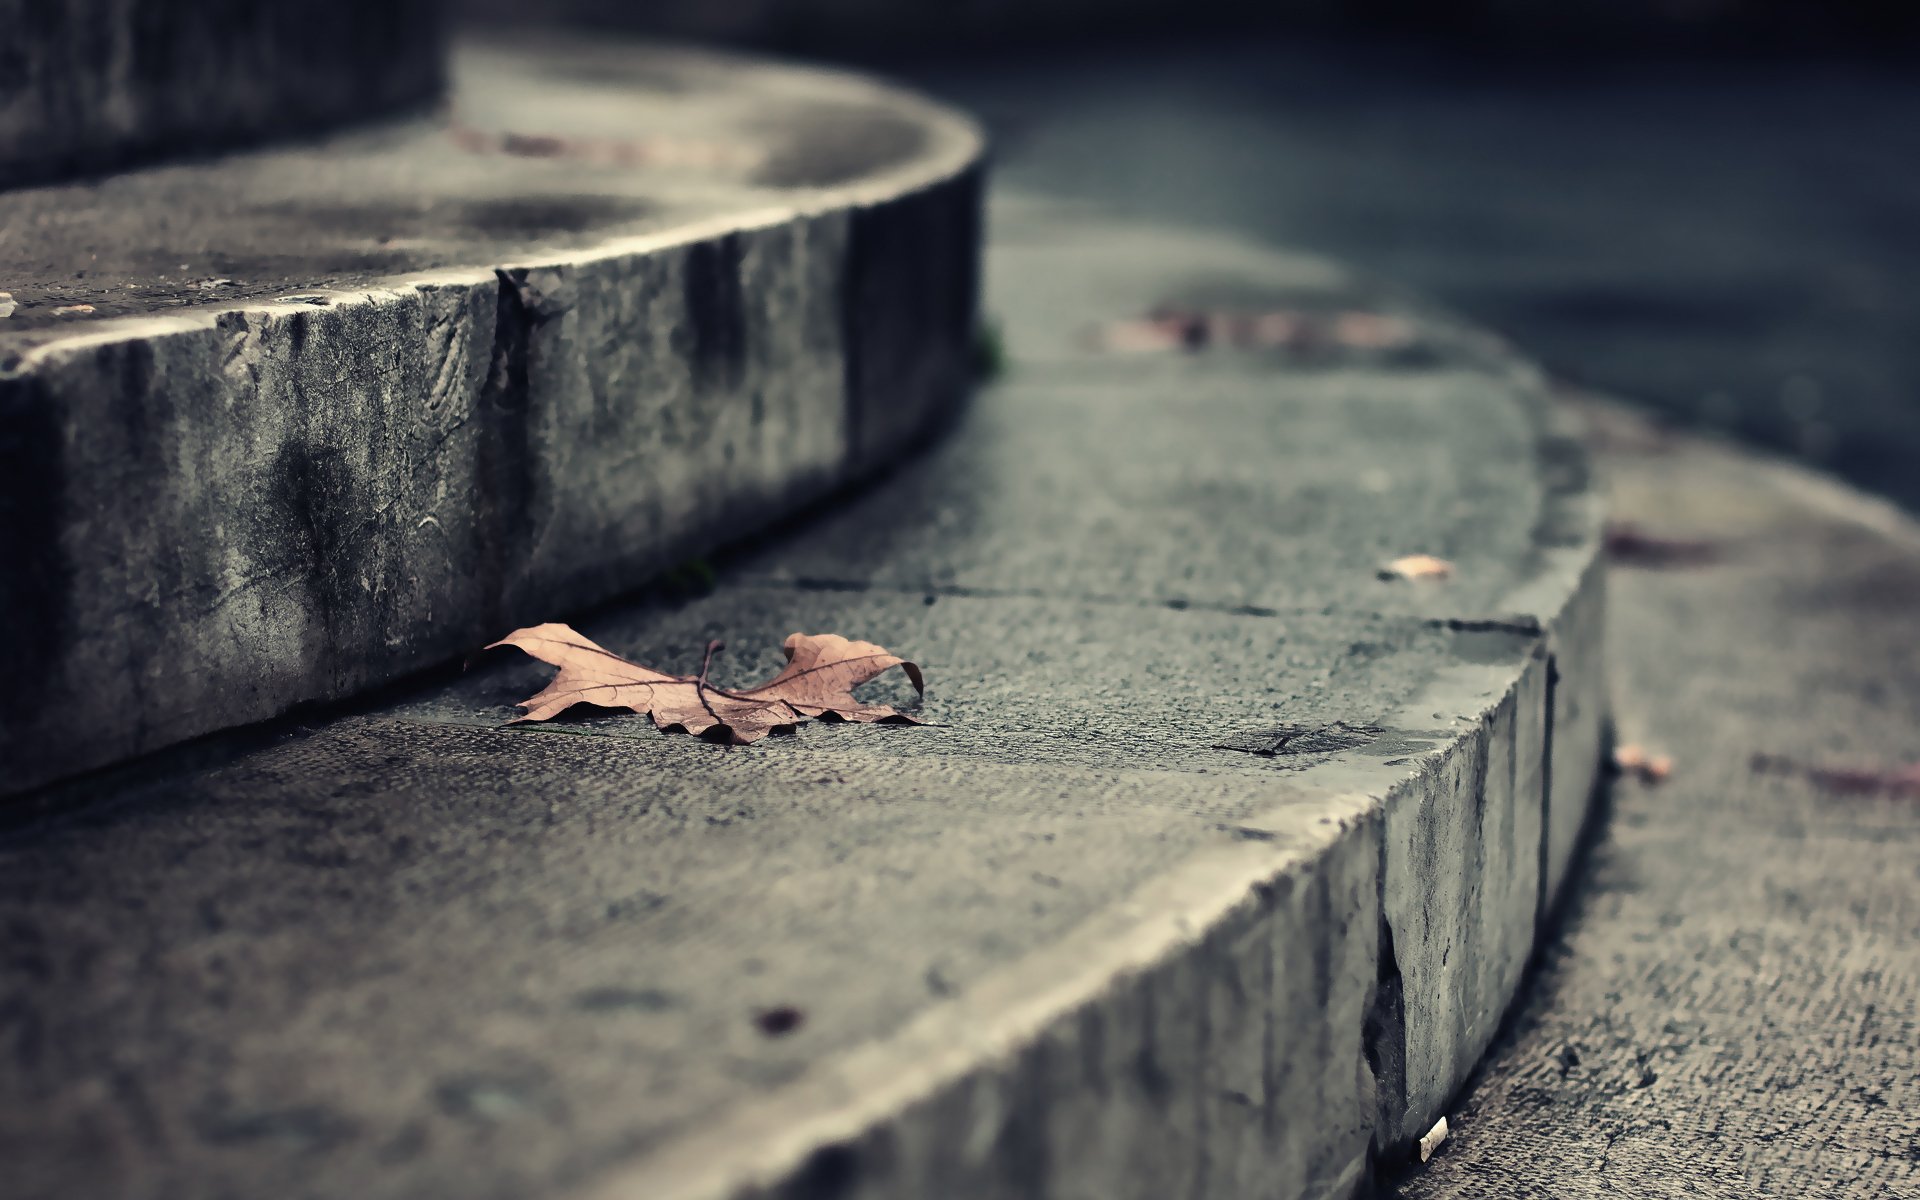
<point x="36" y="580"/>
<point x="313" y="486"/>
<point x="1518" y="626"/>
<point x="136" y="370"/>
<point x="297" y="331"/>
<point x="503" y="457"/>
<point x="780" y="1020"/>
<point x="716" y="312"/>
<point x="1384" y="1035"/>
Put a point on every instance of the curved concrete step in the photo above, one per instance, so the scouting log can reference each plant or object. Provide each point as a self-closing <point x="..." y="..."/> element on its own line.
<point x="90" y="85"/>
<point x="1071" y="939"/>
<point x="283" y="426"/>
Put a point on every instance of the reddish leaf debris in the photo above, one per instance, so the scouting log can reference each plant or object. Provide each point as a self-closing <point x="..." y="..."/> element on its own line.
<point x="1634" y="761"/>
<point x="1848" y="781"/>
<point x="1279" y="329"/>
<point x="1417" y="566"/>
<point x="1631" y="546"/>
<point x="818" y="681"/>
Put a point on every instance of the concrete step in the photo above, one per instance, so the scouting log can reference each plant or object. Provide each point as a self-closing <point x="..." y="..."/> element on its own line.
<point x="1065" y="940"/>
<point x="284" y="426"/>
<point x="92" y="85"/>
<point x="1729" y="1007"/>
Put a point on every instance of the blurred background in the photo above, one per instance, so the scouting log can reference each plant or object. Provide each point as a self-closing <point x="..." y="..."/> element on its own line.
<point x="1711" y="207"/>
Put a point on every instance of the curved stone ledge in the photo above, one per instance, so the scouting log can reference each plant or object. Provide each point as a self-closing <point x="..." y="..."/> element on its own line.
<point x="285" y="426"/>
<point x="88" y="85"/>
<point x="1276" y="1015"/>
<point x="1057" y="942"/>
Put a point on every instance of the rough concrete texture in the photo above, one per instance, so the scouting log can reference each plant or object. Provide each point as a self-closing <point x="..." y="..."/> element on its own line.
<point x="1730" y="1007"/>
<point x="87" y="85"/>
<point x="1057" y="942"/>
<point x="333" y="414"/>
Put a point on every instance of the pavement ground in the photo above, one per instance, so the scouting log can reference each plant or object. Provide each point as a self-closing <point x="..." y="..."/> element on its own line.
<point x="1729" y="243"/>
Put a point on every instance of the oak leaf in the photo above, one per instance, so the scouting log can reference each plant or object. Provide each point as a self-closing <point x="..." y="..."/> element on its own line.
<point x="818" y="681"/>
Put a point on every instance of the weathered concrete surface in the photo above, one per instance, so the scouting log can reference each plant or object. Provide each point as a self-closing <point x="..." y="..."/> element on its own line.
<point x="284" y="426"/>
<point x="87" y="85"/>
<point x="1058" y="942"/>
<point x="1731" y="1006"/>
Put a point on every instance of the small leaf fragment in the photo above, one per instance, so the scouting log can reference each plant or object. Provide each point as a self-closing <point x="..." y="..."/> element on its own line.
<point x="1631" y="759"/>
<point x="1430" y="1142"/>
<point x="818" y="681"/>
<point x="1417" y="566"/>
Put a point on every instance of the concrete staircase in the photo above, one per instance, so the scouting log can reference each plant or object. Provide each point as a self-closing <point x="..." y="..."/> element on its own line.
<point x="287" y="425"/>
<point x="1214" y="872"/>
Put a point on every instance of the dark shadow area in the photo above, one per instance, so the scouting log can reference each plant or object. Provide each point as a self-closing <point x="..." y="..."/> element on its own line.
<point x="1725" y="241"/>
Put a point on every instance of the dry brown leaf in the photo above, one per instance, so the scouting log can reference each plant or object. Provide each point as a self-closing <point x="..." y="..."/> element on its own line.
<point x="1417" y="566"/>
<point x="818" y="681"/>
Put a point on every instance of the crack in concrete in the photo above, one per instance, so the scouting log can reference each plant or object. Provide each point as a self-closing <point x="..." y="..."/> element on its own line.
<point x="1518" y="625"/>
